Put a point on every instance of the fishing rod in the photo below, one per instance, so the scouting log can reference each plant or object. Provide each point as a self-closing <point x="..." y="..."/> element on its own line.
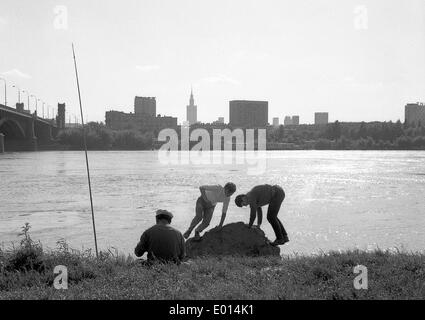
<point x="85" y="150"/>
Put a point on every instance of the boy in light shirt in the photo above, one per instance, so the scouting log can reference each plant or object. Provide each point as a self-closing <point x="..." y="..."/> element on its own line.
<point x="205" y="205"/>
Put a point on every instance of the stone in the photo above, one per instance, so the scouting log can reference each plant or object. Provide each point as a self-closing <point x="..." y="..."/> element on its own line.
<point x="232" y="239"/>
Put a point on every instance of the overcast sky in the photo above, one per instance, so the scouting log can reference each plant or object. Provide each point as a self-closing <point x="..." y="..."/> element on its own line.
<point x="358" y="60"/>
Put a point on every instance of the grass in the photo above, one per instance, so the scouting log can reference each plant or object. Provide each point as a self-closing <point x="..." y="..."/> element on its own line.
<point x="26" y="272"/>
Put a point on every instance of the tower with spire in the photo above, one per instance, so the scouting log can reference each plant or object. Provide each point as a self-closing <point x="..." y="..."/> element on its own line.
<point x="191" y="110"/>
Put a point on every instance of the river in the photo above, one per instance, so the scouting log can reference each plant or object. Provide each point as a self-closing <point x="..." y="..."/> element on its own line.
<point x="335" y="200"/>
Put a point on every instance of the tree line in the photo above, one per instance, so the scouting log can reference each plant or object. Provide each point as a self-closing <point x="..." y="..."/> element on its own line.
<point x="334" y="136"/>
<point x="99" y="137"/>
<point x="354" y="136"/>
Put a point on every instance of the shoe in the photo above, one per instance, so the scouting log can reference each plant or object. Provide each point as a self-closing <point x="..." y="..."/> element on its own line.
<point x="279" y="242"/>
<point x="186" y="235"/>
<point x="197" y="236"/>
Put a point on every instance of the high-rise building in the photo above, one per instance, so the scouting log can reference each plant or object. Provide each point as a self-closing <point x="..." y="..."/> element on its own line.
<point x="296" y="120"/>
<point x="321" y="118"/>
<point x="414" y="113"/>
<point x="60" y="118"/>
<point x="145" y="105"/>
<point x="287" y="121"/>
<point x="117" y="120"/>
<point x="191" y="110"/>
<point x="248" y="114"/>
<point x="275" y="122"/>
<point x="143" y="119"/>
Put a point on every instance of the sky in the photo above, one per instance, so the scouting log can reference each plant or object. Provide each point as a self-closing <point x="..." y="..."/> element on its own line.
<point x="357" y="60"/>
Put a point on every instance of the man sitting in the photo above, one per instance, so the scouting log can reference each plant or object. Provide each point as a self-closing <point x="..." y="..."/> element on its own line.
<point x="162" y="242"/>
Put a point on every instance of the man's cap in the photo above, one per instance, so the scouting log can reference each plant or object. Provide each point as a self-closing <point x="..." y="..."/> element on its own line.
<point x="165" y="213"/>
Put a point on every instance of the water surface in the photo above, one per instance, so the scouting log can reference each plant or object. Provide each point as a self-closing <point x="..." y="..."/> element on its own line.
<point x="335" y="200"/>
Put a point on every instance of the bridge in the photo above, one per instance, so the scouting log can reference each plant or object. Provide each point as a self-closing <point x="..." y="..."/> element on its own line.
<point x="21" y="130"/>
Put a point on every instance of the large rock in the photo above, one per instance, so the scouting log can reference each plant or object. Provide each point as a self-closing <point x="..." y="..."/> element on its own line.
<point x="232" y="239"/>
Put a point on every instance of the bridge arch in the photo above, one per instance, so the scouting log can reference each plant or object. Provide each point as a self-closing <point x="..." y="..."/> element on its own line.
<point x="11" y="128"/>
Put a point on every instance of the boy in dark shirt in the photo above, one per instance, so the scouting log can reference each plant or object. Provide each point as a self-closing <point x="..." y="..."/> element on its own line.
<point x="162" y="242"/>
<point x="265" y="195"/>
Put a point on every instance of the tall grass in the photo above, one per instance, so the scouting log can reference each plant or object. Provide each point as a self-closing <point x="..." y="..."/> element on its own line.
<point x="26" y="272"/>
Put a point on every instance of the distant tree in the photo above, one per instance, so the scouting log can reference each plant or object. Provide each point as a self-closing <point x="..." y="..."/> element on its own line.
<point x="380" y="145"/>
<point x="362" y="132"/>
<point x="281" y="134"/>
<point x="322" y="144"/>
<point x="334" y="130"/>
<point x="370" y="143"/>
<point x="361" y="144"/>
<point x="352" y="134"/>
<point x="419" y="142"/>
<point x="399" y="128"/>
<point x="385" y="132"/>
<point x="410" y="132"/>
<point x="404" y="142"/>
<point x="406" y="125"/>
<point x="343" y="143"/>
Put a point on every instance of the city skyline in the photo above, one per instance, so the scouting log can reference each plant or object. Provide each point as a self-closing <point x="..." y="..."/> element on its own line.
<point x="357" y="62"/>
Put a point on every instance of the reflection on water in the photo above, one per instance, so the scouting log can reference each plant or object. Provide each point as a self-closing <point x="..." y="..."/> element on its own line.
<point x="334" y="199"/>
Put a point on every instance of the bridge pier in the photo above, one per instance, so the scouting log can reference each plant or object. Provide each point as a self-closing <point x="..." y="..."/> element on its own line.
<point x="50" y="134"/>
<point x="33" y="144"/>
<point x="1" y="143"/>
<point x="32" y="137"/>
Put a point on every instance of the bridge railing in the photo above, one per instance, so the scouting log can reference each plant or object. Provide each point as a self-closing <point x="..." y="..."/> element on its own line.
<point x="14" y="110"/>
<point x="9" y="108"/>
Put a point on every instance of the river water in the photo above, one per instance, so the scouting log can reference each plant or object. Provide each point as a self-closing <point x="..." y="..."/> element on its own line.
<point x="335" y="200"/>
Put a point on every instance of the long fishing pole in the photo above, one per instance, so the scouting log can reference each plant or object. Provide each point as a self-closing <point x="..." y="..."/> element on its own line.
<point x="85" y="150"/>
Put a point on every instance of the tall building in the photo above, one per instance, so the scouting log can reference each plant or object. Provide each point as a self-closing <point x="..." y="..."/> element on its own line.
<point x="145" y="105"/>
<point x="60" y="118"/>
<point x="414" y="113"/>
<point x="275" y="122"/>
<point x="248" y="114"/>
<point x="287" y="121"/>
<point x="295" y="120"/>
<point x="191" y="110"/>
<point x="117" y="120"/>
<point x="143" y="119"/>
<point x="321" y="118"/>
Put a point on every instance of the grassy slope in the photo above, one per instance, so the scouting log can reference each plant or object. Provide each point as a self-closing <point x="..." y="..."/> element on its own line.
<point x="328" y="276"/>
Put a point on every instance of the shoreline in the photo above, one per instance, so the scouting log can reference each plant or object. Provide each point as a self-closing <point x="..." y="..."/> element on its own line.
<point x="28" y="272"/>
<point x="330" y="276"/>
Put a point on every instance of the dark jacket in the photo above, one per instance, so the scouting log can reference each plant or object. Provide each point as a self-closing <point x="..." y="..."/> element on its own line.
<point x="163" y="243"/>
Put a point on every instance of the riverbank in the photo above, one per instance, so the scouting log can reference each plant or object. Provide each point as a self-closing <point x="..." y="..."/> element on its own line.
<point x="27" y="272"/>
<point x="333" y="136"/>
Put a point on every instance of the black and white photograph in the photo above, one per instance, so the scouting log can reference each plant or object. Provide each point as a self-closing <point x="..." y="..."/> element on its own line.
<point x="237" y="151"/>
